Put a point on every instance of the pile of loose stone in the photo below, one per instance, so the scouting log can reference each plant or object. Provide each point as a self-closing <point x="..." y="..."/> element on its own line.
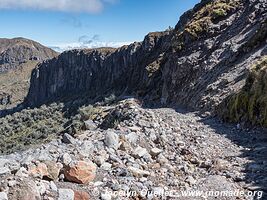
<point x="152" y="150"/>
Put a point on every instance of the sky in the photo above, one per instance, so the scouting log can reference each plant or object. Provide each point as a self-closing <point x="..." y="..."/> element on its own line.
<point x="70" y="23"/>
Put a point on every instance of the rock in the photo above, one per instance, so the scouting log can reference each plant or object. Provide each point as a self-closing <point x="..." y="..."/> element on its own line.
<point x="53" y="169"/>
<point x="132" y="137"/>
<point x="65" y="194"/>
<point x="112" y="140"/>
<point x="155" y="151"/>
<point x="90" y="125"/>
<point x="65" y="159"/>
<point x="12" y="183"/>
<point x="139" y="152"/>
<point x="53" y="186"/>
<point x="68" y="139"/>
<point x="86" y="148"/>
<point x="103" y="156"/>
<point x="61" y="177"/>
<point x="4" y="170"/>
<point x="43" y="186"/>
<point x="3" y="162"/>
<point x="81" y="195"/>
<point x="22" y="172"/>
<point x="3" y="196"/>
<point x="138" y="172"/>
<point x="39" y="170"/>
<point x="190" y="180"/>
<point x="26" y="189"/>
<point x="106" y="166"/>
<point x="106" y="196"/>
<point x="80" y="172"/>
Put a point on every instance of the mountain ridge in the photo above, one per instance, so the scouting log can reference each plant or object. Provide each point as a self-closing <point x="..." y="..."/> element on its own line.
<point x="16" y="51"/>
<point x="197" y="65"/>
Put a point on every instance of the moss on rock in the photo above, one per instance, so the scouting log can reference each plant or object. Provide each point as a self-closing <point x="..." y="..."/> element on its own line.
<point x="250" y="104"/>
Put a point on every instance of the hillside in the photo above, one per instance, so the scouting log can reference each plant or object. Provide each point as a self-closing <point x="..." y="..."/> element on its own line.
<point x="16" y="51"/>
<point x="202" y="61"/>
<point x="150" y="119"/>
<point x="18" y="57"/>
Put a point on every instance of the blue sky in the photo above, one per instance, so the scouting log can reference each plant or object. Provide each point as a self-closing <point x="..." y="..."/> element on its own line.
<point x="100" y="20"/>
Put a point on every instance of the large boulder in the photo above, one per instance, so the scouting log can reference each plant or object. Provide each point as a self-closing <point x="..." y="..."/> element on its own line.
<point x="80" y="172"/>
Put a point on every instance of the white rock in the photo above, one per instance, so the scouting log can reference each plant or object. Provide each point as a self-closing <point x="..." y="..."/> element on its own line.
<point x="53" y="186"/>
<point x="132" y="137"/>
<point x="3" y="162"/>
<point x="112" y="140"/>
<point x="139" y="152"/>
<point x="138" y="172"/>
<point x="90" y="125"/>
<point x="4" y="170"/>
<point x="65" y="194"/>
<point x="22" y="172"/>
<point x="66" y="159"/>
<point x="190" y="180"/>
<point x="86" y="148"/>
<point x="12" y="183"/>
<point x="155" y="151"/>
<point x="3" y="196"/>
<point x="106" y="196"/>
<point x="43" y="186"/>
<point x="106" y="166"/>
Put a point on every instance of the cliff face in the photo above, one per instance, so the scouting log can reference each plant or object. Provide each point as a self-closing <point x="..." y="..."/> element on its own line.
<point x="99" y="71"/>
<point x="16" y="51"/>
<point x="198" y="64"/>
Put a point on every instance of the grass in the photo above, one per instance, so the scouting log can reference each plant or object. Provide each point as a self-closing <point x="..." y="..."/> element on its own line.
<point x="209" y="14"/>
<point x="250" y="104"/>
<point x="16" y="82"/>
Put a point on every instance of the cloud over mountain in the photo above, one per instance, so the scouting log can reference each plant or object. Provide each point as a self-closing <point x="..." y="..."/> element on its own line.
<point x="89" y="6"/>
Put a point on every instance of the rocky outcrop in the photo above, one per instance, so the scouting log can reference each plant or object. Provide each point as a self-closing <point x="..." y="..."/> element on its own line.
<point x="100" y="71"/>
<point x="16" y="51"/>
<point x="198" y="64"/>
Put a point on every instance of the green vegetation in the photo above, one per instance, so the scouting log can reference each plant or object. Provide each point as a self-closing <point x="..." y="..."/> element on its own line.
<point x="30" y="127"/>
<point x="250" y="104"/>
<point x="153" y="67"/>
<point x="211" y="12"/>
<point x="90" y="112"/>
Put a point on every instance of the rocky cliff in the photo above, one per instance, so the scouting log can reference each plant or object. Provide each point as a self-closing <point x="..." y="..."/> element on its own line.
<point x="198" y="64"/>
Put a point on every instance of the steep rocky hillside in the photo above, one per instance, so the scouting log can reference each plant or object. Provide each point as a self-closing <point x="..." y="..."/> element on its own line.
<point x="197" y="65"/>
<point x="16" y="51"/>
<point x="17" y="59"/>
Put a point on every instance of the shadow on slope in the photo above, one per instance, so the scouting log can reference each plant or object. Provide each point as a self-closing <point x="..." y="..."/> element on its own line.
<point x="254" y="143"/>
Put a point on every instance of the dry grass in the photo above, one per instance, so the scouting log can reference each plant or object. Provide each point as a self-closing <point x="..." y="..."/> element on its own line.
<point x="16" y="82"/>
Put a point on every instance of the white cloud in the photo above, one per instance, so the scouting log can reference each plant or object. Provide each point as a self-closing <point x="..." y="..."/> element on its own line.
<point x="81" y="45"/>
<point x="90" y="6"/>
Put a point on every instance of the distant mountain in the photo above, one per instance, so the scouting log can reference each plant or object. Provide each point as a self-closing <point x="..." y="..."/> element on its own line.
<point x="16" y="51"/>
<point x="83" y="45"/>
<point x="18" y="56"/>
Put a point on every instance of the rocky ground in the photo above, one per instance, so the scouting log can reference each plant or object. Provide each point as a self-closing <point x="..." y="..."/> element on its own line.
<point x="133" y="149"/>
